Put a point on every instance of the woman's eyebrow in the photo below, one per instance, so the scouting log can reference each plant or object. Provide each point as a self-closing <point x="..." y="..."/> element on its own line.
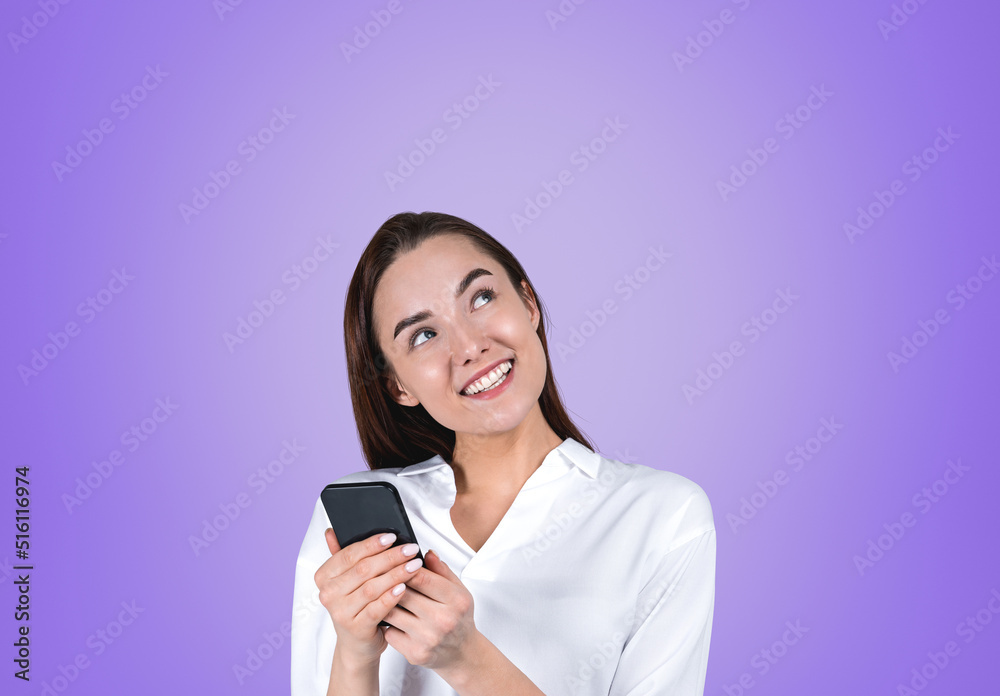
<point x="426" y="313"/>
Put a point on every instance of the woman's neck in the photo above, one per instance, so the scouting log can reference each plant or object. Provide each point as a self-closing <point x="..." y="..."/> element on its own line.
<point x="498" y="465"/>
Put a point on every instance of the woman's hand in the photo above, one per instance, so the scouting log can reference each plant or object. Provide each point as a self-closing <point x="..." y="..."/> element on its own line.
<point x="356" y="586"/>
<point x="432" y="625"/>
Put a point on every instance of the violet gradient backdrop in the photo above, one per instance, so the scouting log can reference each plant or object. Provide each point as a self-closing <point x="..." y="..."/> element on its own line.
<point x="654" y="185"/>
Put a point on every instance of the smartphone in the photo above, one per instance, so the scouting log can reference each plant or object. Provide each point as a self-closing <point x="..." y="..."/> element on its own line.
<point x="359" y="510"/>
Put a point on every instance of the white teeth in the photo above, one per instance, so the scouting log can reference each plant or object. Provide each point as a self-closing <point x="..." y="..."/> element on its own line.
<point x="490" y="380"/>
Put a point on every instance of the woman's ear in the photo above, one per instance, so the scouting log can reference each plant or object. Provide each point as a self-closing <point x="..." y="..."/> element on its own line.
<point x="398" y="393"/>
<point x="530" y="302"/>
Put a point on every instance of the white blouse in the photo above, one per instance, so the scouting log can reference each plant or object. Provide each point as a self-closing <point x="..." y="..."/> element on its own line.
<point x="599" y="579"/>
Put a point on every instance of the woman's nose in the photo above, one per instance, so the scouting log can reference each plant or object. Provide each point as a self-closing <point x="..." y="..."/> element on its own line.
<point x="468" y="341"/>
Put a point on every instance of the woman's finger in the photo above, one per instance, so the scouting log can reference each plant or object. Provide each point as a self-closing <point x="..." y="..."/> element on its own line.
<point x="416" y="603"/>
<point x="433" y="562"/>
<point x="331" y="541"/>
<point x="434" y="586"/>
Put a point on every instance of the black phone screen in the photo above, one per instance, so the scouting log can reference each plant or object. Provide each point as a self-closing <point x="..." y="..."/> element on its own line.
<point x="359" y="510"/>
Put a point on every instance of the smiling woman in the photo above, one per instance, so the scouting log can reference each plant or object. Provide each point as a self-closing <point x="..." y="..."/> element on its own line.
<point x="457" y="407"/>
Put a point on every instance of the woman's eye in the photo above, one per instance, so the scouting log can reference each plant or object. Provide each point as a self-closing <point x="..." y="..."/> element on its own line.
<point x="413" y="340"/>
<point x="485" y="293"/>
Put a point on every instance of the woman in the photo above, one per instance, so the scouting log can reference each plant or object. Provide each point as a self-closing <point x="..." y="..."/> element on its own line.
<point x="553" y="569"/>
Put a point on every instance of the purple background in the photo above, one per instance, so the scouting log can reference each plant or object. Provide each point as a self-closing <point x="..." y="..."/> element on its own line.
<point x="655" y="185"/>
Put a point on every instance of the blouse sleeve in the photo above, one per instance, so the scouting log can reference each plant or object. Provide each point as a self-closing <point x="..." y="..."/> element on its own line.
<point x="666" y="651"/>
<point x="313" y="637"/>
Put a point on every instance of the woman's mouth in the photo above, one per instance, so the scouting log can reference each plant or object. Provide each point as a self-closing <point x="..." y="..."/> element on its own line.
<point x="491" y="383"/>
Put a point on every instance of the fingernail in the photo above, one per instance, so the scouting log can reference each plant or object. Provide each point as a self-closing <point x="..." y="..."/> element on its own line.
<point x="410" y="549"/>
<point x="413" y="565"/>
<point x="398" y="589"/>
<point x="387" y="539"/>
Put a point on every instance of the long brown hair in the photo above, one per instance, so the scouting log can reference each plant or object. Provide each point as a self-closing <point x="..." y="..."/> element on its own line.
<point x="392" y="434"/>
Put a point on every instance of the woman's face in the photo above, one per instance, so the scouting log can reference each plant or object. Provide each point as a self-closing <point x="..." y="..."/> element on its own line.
<point x="464" y="331"/>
